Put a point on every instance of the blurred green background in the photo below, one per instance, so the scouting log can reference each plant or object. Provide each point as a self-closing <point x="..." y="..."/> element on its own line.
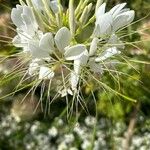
<point x="121" y="124"/>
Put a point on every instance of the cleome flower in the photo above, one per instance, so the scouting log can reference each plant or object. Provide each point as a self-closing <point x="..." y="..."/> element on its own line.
<point x="55" y="46"/>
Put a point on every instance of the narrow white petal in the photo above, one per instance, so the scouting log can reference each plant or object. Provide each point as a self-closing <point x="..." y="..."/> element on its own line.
<point x="93" y="46"/>
<point x="16" y="16"/>
<point x="46" y="73"/>
<point x="27" y="11"/>
<point x="105" y="24"/>
<point x="62" y="38"/>
<point x="101" y="10"/>
<point x="123" y="19"/>
<point x="96" y="32"/>
<point x="74" y="52"/>
<point x="108" y="53"/>
<point x="116" y="9"/>
<point x="28" y="26"/>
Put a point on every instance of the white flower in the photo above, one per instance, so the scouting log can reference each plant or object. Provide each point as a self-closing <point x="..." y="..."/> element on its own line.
<point x="77" y="53"/>
<point x="109" y="22"/>
<point x="45" y="73"/>
<point x="69" y="138"/>
<point x="53" y="132"/>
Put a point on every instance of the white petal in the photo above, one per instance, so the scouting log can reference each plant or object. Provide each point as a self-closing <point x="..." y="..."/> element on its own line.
<point x="47" y="42"/>
<point x="45" y="73"/>
<point x="123" y="20"/>
<point x="101" y="10"/>
<point x="20" y="41"/>
<point x="74" y="52"/>
<point x="27" y="11"/>
<point x="108" y="53"/>
<point x="62" y="38"/>
<point x="96" y="32"/>
<point x="93" y="46"/>
<point x="105" y="24"/>
<point x="36" y="51"/>
<point x="116" y="9"/>
<point x="16" y="16"/>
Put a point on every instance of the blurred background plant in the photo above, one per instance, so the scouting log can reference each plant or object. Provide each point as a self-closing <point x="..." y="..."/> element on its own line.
<point x="120" y="124"/>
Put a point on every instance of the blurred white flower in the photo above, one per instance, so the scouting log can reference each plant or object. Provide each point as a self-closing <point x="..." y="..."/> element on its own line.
<point x="53" y="132"/>
<point x="86" y="145"/>
<point x="69" y="138"/>
<point x="62" y="146"/>
<point x="90" y="121"/>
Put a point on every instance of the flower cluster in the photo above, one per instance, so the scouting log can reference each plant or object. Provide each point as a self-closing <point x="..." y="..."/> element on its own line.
<point x="49" y="36"/>
<point x="43" y="135"/>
